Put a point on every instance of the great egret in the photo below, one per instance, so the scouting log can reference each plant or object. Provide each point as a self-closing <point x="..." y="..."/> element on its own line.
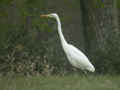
<point x="74" y="55"/>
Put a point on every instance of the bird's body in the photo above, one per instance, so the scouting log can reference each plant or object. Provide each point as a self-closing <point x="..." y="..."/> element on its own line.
<point x="77" y="58"/>
<point x="74" y="55"/>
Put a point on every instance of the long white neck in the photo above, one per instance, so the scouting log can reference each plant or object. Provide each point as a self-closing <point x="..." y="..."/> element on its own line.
<point x="63" y="41"/>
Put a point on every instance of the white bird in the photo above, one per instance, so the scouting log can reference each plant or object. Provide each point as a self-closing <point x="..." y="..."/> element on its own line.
<point x="74" y="55"/>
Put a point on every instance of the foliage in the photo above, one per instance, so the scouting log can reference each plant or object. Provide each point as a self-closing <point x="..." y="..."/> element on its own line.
<point x="30" y="45"/>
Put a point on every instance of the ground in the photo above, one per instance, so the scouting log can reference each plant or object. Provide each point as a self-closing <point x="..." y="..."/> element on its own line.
<point x="68" y="82"/>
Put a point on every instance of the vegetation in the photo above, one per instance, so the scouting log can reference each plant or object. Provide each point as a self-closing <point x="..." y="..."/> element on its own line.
<point x="69" y="82"/>
<point x="30" y="45"/>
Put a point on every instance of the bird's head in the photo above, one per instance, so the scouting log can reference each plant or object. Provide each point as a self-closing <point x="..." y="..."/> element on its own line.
<point x="52" y="15"/>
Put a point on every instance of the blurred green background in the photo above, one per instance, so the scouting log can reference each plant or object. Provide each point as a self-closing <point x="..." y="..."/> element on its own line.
<point x="30" y="45"/>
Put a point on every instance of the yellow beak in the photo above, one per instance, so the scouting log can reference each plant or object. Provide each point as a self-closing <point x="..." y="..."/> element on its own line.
<point x="43" y="15"/>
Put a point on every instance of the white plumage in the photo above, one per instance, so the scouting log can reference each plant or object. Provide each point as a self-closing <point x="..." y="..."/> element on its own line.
<point x="74" y="55"/>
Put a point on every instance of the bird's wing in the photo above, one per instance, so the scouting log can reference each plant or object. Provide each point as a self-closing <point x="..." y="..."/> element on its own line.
<point x="76" y="57"/>
<point x="77" y="51"/>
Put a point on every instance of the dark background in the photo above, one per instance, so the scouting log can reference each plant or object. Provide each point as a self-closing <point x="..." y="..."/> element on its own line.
<point x="30" y="45"/>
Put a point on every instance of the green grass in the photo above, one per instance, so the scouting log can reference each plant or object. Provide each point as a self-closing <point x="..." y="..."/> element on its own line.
<point x="70" y="82"/>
